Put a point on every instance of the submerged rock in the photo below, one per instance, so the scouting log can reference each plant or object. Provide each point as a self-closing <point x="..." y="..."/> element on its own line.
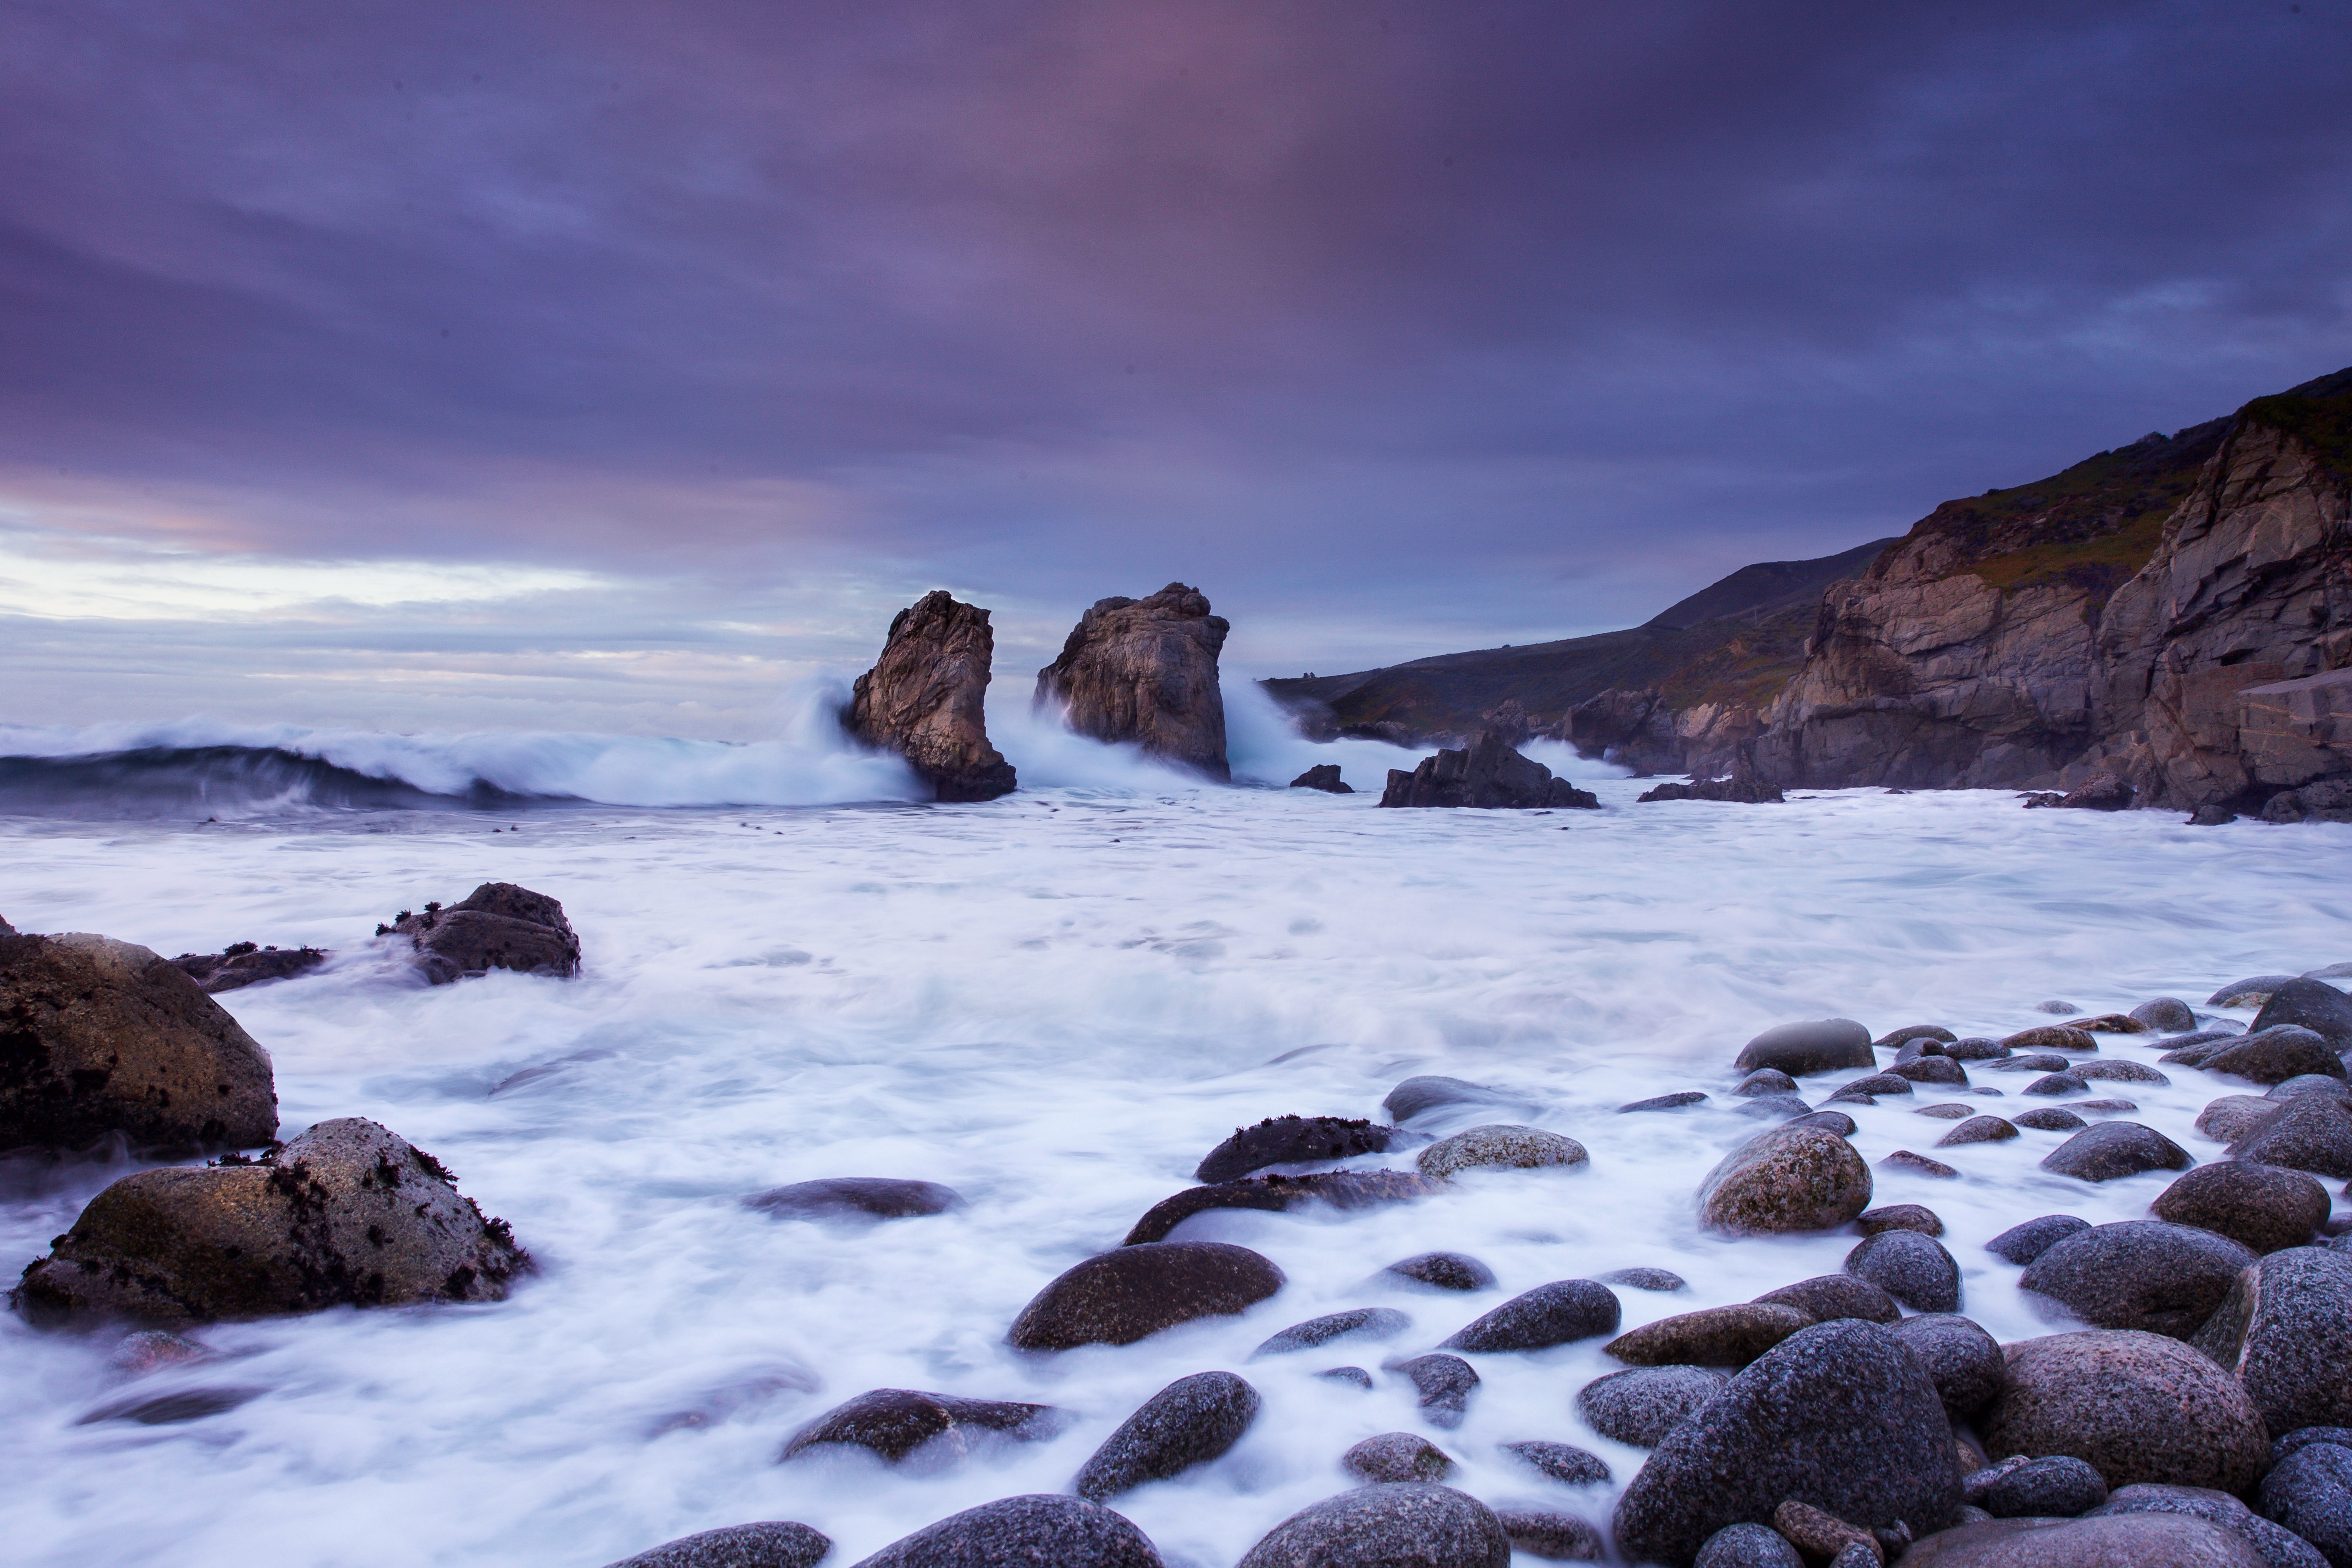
<point x="1192" y="1421"/>
<point x="1340" y="1189"/>
<point x="1324" y="777"/>
<point x="1145" y="671"/>
<point x="497" y="926"/>
<point x="1443" y="1271"/>
<point x="1553" y="1314"/>
<point x="1793" y="1178"/>
<point x="2091" y="1394"/>
<point x="770" y="1544"/>
<point x="1743" y="788"/>
<point x="100" y="1037"/>
<point x="1121" y="1295"/>
<point x="1022" y="1532"/>
<point x="1498" y="1147"/>
<point x="894" y="1423"/>
<point x="1563" y="1462"/>
<point x="1289" y="1141"/>
<point x="926" y="698"/>
<point x="1416" y="1095"/>
<point x="1665" y="1279"/>
<point x="1387" y="1527"/>
<point x="242" y="963"/>
<point x="857" y="1198"/>
<point x="350" y="1214"/>
<point x="2139" y="1273"/>
<point x="1487" y="774"/>
<point x="1444" y="1384"/>
<point x="1361" y="1323"/>
<point x="1979" y="1130"/>
<point x="1396" y="1457"/>
<point x="1824" y="1044"/>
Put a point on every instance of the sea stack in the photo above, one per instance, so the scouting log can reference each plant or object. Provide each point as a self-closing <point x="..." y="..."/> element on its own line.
<point x="926" y="698"/>
<point x="1144" y="671"/>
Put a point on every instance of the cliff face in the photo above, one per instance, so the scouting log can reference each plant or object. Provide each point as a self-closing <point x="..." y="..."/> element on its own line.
<point x="2173" y="612"/>
<point x="926" y="698"/>
<point x="1144" y="671"/>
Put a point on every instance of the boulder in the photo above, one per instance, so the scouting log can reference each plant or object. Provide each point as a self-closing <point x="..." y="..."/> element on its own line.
<point x="1290" y="1141"/>
<point x="1938" y="1069"/>
<point x="1553" y="1314"/>
<point x="2275" y="1054"/>
<point x="1748" y="1546"/>
<point x="2231" y="1117"/>
<point x="2113" y="1149"/>
<point x="1976" y="1049"/>
<point x="1191" y="1422"/>
<point x="2032" y="1061"/>
<point x="2139" y="1273"/>
<point x="1416" y="1095"/>
<point x="1839" y="1416"/>
<point x="2058" y="1487"/>
<point x="1914" y="1033"/>
<point x="1820" y="1534"/>
<point x="1675" y="1102"/>
<point x="1340" y="1189"/>
<point x="2109" y="1024"/>
<point x="1396" y="1457"/>
<point x="100" y="1037"/>
<point x="1790" y="1179"/>
<point x="1876" y="1084"/>
<point x="772" y="1544"/>
<point x="1713" y="1336"/>
<point x="1022" y="1532"/>
<point x="1119" y="1297"/>
<point x="2056" y="1084"/>
<point x="349" y="1214"/>
<point x="1443" y="1271"/>
<point x="858" y="1199"/>
<point x="2049" y="1119"/>
<point x="1665" y="1279"/>
<point x="2263" y="1207"/>
<point x="242" y="963"/>
<point x="1642" y="1404"/>
<point x="1563" y="1462"/>
<point x="1324" y="777"/>
<point x="2035" y="1238"/>
<point x="2251" y="992"/>
<point x="2136" y="1540"/>
<point x="926" y="698"/>
<point x="2285" y="1330"/>
<point x="1361" y="1323"/>
<point x="1387" y="1527"/>
<point x="1145" y="671"/>
<point x="1550" y="1534"/>
<point x="2309" y="1492"/>
<point x="1913" y="1268"/>
<point x="1765" y="1081"/>
<point x="1979" y="1130"/>
<point x="2052" y="1038"/>
<point x="1489" y="774"/>
<point x="497" y="926"/>
<point x="1963" y="1361"/>
<point x="1500" y="1147"/>
<point x="1899" y="1216"/>
<point x="2277" y="1547"/>
<point x="2168" y="1015"/>
<point x="2137" y="1406"/>
<point x="1744" y="788"/>
<point x="893" y="1424"/>
<point x="1444" y="1383"/>
<point x="1800" y="1050"/>
<point x="2118" y="1071"/>
<point x="1836" y="1121"/>
<point x="2309" y="1132"/>
<point x="1832" y="1296"/>
<point x="2312" y="1004"/>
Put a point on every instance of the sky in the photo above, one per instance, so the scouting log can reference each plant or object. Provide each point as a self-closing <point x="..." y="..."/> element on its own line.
<point x="618" y="366"/>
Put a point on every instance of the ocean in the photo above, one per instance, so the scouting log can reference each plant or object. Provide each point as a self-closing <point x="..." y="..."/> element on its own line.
<point x="1054" y="1002"/>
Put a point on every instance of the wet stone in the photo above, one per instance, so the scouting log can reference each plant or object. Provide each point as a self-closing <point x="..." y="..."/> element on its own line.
<point x="2025" y="1242"/>
<point x="770" y="1544"/>
<point x="1836" y="1121"/>
<point x="1291" y="1140"/>
<point x="1498" y="1147"/>
<point x="1016" y="1531"/>
<point x="1381" y="1526"/>
<point x="2232" y="1116"/>
<point x="2251" y="991"/>
<point x="1791" y="1178"/>
<point x="1918" y="1166"/>
<point x="2109" y="1024"/>
<point x="1675" y="1102"/>
<point x="1277" y="1194"/>
<point x="1119" y="1297"/>
<point x="1747" y="1546"/>
<point x="1361" y="1323"/>
<point x="1900" y="1217"/>
<point x="2275" y="1547"/>
<point x="1443" y="1271"/>
<point x="1713" y="1336"/>
<point x="1554" y="1536"/>
<point x="2052" y="1038"/>
<point x="1353" y="1374"/>
<point x="1932" y="1070"/>
<point x="1979" y="1130"/>
<point x="1396" y="1457"/>
<point x="2104" y="1106"/>
<point x="894" y="1423"/>
<point x="1874" y="1085"/>
<point x="2056" y="1084"/>
<point x="2143" y="1274"/>
<point x="1553" y="1314"/>
<point x="2114" y="1150"/>
<point x="2310" y="1493"/>
<point x="1563" y="1462"/>
<point x="2275" y="1055"/>
<point x="2167" y="1013"/>
<point x="1662" y="1279"/>
<point x="1829" y="1295"/>
<point x="1913" y="1268"/>
<point x="2313" y="1004"/>
<point x="1765" y="1080"/>
<point x="2309" y="1132"/>
<point x="1824" y="1044"/>
<point x="1192" y="1421"/>
<point x="2263" y="1207"/>
<point x="1949" y="1110"/>
<point x="2058" y="1487"/>
<point x="1642" y="1404"/>
<point x="1964" y="1361"/>
<point x="1416" y="1096"/>
<point x="1773" y="1105"/>
<point x="2032" y="1061"/>
<point x="857" y="1198"/>
<point x="2049" y="1119"/>
<point x="2088" y="1395"/>
<point x="1821" y="1534"/>
<point x="2285" y="1331"/>
<point x="1977" y="1048"/>
<point x="2117" y="1070"/>
<point x="1894" y="1038"/>
<point x="1444" y="1384"/>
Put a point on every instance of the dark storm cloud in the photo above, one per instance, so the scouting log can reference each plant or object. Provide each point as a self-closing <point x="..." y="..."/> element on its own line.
<point x="1513" y="315"/>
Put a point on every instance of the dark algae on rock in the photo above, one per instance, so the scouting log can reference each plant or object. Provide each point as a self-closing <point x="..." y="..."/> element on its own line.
<point x="497" y="926"/>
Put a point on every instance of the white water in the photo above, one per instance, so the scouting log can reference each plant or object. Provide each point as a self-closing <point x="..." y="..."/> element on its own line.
<point x="1055" y="1002"/>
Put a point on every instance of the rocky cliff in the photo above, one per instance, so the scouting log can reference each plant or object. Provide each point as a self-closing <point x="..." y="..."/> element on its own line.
<point x="1144" y="671"/>
<point x="2178" y="612"/>
<point x="926" y="698"/>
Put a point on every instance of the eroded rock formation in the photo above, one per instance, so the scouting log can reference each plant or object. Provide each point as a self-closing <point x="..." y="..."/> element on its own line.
<point x="1487" y="773"/>
<point x="1144" y="671"/>
<point x="926" y="698"/>
<point x="498" y="925"/>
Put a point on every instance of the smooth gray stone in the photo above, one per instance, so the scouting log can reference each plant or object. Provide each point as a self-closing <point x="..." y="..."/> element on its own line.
<point x="2309" y="1492"/>
<point x="1913" y="1268"/>
<point x="1675" y="1102"/>
<point x="1645" y="1280"/>
<point x="1386" y="1527"/>
<point x="1443" y="1271"/>
<point x="2313" y="1004"/>
<point x="1444" y="1383"/>
<point x="1963" y="1360"/>
<point x="1022" y="1532"/>
<point x="893" y="1422"/>
<point x="1553" y="1314"/>
<point x="2113" y="1150"/>
<point x="1192" y="1421"/>
<point x="1747" y="1546"/>
<point x="1397" y="1456"/>
<point x="1642" y="1404"/>
<point x="1361" y="1323"/>
<point x="1563" y="1462"/>
<point x="1822" y="1045"/>
<point x="770" y="1544"/>
<point x="2139" y="1274"/>
<point x="2025" y="1242"/>
<point x="857" y="1198"/>
<point x="1416" y="1096"/>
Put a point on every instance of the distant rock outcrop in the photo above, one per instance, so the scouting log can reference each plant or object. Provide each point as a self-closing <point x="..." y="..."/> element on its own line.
<point x="243" y="964"/>
<point x="102" y="1036"/>
<point x="1144" y="671"/>
<point x="1487" y="773"/>
<point x="497" y="926"/>
<point x="1324" y="777"/>
<point x="926" y="698"/>
<point x="1745" y="788"/>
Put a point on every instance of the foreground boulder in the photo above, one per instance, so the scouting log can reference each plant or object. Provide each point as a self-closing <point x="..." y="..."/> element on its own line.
<point x="2140" y="1274"/>
<point x="242" y="963"/>
<point x="771" y="1544"/>
<point x="898" y="1423"/>
<point x="1124" y="1295"/>
<point x="1022" y="1532"/>
<point x="2285" y="1330"/>
<point x="1840" y="1416"/>
<point x="1790" y="1179"/>
<point x="350" y="1214"/>
<point x="1191" y="1422"/>
<point x="926" y="697"/>
<point x="2308" y="1132"/>
<point x="1489" y="774"/>
<point x="2313" y="1004"/>
<point x="1962" y="1359"/>
<point x="2138" y="1540"/>
<point x="1380" y="1526"/>
<point x="100" y="1037"/>
<point x="1145" y="671"/>
<point x="2136" y="1406"/>
<point x="2278" y="1548"/>
<point x="497" y="926"/>
<point x="2263" y="1207"/>
<point x="2310" y="1493"/>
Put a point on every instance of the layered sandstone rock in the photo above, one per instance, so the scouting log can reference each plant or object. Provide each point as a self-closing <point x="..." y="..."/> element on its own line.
<point x="926" y="698"/>
<point x="1144" y="671"/>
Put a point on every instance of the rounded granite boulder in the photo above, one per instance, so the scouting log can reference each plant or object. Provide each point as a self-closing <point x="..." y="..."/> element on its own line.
<point x="1800" y="1050"/>
<point x="2025" y="1242"/>
<point x="1963" y="1361"/>
<point x="1119" y="1297"/>
<point x="2057" y="1486"/>
<point x="2309" y="1492"/>
<point x="2277" y="1547"/>
<point x="2139" y="1274"/>
<point x="1498" y="1147"/>
<point x="1553" y="1314"/>
<point x="102" y="1036"/>
<point x="2285" y="1331"/>
<point x="1441" y="1271"/>
<point x="769" y="1545"/>
<point x="2309" y="1132"/>
<point x="1712" y="1336"/>
<point x="2169" y="1015"/>
<point x="2113" y="1150"/>
<point x="1387" y="1526"/>
<point x="1793" y="1178"/>
<point x="895" y="1424"/>
<point x="1913" y="1268"/>
<point x="2264" y="1207"/>
<point x="1417" y="1096"/>
<point x="1827" y="1296"/>
<point x="349" y="1214"/>
<point x="2312" y="1004"/>
<point x="2275" y="1055"/>
<point x="2124" y="1541"/>
<point x="1357" y="1323"/>
<point x="2136" y="1406"/>
<point x="1642" y="1404"/>
<point x="1900" y="1217"/>
<point x="1022" y="1532"/>
<point x="1840" y="1416"/>
<point x="1397" y="1456"/>
<point x="1192" y="1421"/>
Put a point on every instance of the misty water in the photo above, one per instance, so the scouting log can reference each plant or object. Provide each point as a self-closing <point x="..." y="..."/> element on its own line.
<point x="1057" y="1003"/>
